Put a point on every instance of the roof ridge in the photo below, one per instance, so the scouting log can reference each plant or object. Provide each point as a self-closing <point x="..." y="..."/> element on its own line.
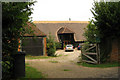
<point x="60" y="21"/>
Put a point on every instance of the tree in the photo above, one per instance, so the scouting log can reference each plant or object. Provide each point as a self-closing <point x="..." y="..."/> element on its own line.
<point x="107" y="18"/>
<point x="91" y="33"/>
<point x="106" y="23"/>
<point x="14" y="18"/>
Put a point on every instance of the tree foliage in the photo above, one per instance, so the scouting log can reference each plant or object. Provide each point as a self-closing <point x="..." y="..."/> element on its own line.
<point x="105" y="24"/>
<point x="14" y="18"/>
<point x="107" y="18"/>
<point x="91" y="33"/>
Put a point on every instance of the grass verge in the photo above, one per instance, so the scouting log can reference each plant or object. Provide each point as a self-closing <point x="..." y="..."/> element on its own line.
<point x="66" y="70"/>
<point x="37" y="57"/>
<point x="104" y="65"/>
<point x="31" y="73"/>
<point x="60" y="55"/>
<point x="65" y="55"/>
<point x="53" y="61"/>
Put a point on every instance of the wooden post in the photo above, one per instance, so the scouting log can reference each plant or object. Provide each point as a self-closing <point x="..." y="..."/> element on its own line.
<point x="64" y="45"/>
<point x="45" y="51"/>
<point x="98" y="53"/>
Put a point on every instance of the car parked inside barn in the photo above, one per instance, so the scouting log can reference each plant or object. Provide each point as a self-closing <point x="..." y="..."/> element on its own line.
<point x="69" y="47"/>
<point x="79" y="46"/>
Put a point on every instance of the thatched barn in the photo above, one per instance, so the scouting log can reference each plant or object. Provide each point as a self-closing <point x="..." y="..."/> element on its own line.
<point x="66" y="32"/>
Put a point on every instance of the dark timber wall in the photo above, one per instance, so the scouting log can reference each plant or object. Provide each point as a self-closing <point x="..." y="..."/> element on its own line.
<point x="32" y="46"/>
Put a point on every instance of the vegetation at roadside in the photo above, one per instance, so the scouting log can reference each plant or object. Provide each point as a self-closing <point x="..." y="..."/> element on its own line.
<point x="59" y="55"/>
<point x="41" y="57"/>
<point x="58" y="45"/>
<point x="54" y="61"/>
<point x="104" y="27"/>
<point x="104" y="65"/>
<point x="52" y="45"/>
<point x="51" y="48"/>
<point x="66" y="55"/>
<point x="38" y="57"/>
<point x="91" y="33"/>
<point x="15" y="14"/>
<point x="31" y="73"/>
<point x="66" y="70"/>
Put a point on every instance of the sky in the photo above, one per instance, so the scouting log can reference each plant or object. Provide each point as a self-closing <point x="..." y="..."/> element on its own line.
<point x="62" y="10"/>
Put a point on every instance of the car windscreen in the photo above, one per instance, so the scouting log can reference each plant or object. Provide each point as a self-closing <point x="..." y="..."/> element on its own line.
<point x="69" y="46"/>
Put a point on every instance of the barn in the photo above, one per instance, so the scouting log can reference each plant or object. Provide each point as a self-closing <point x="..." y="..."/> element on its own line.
<point x="34" y="43"/>
<point x="65" y="32"/>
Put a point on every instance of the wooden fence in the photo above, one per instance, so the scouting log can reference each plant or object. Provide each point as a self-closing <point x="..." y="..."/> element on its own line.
<point x="91" y="57"/>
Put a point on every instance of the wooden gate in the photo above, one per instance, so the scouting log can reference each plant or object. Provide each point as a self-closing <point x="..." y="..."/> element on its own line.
<point x="91" y="57"/>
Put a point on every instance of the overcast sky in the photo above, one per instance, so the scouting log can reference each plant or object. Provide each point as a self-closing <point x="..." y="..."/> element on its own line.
<point x="62" y="10"/>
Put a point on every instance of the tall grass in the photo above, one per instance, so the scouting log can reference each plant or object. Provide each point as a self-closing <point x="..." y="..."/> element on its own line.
<point x="104" y="65"/>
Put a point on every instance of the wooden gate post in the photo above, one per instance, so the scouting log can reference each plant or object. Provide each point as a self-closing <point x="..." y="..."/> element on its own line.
<point x="98" y="53"/>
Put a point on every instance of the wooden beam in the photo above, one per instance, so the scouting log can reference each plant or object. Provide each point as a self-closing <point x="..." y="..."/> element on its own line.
<point x="98" y="54"/>
<point x="91" y="53"/>
<point x="90" y="57"/>
<point x="90" y="48"/>
<point x="89" y="61"/>
<point x="45" y="49"/>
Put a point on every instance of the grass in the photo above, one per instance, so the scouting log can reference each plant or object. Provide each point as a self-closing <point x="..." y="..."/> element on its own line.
<point x="66" y="70"/>
<point x="65" y="55"/>
<point x="59" y="55"/>
<point x="37" y="57"/>
<point x="31" y="72"/>
<point x="53" y="61"/>
<point x="105" y="65"/>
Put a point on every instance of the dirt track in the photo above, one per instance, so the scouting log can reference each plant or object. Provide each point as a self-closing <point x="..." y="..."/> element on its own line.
<point x="65" y="66"/>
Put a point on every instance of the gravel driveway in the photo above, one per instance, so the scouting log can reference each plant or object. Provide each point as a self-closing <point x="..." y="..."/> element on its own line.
<point x="65" y="66"/>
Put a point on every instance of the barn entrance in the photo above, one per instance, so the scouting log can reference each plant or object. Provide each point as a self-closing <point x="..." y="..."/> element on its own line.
<point x="66" y="36"/>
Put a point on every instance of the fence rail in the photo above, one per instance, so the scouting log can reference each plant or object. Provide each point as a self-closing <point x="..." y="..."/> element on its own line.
<point x="92" y="57"/>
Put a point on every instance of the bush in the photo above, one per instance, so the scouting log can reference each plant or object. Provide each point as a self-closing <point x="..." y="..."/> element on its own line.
<point x="58" y="45"/>
<point x="51" y="47"/>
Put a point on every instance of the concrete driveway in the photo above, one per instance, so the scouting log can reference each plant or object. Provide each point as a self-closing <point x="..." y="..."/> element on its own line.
<point x="65" y="66"/>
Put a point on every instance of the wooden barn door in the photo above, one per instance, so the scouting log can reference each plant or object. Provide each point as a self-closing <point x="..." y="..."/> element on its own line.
<point x="32" y="46"/>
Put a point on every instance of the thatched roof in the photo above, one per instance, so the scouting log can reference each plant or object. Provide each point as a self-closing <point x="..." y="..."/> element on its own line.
<point x="37" y="31"/>
<point x="64" y="30"/>
<point x="54" y="26"/>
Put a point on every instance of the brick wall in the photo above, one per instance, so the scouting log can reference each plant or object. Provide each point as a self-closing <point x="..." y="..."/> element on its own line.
<point x="115" y="52"/>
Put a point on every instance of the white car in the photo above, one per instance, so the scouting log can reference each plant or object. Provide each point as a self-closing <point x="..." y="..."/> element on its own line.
<point x="69" y="47"/>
